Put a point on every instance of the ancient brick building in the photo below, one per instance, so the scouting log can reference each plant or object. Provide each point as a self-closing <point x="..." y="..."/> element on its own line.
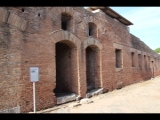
<point x="76" y="50"/>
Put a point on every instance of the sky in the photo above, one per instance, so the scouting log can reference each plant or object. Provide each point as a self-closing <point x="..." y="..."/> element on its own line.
<point x="146" y="23"/>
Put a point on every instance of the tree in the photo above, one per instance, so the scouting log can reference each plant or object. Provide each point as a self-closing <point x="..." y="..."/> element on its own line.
<point x="157" y="50"/>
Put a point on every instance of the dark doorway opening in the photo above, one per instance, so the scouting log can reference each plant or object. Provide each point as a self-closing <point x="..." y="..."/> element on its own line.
<point x="66" y="88"/>
<point x="63" y="69"/>
<point x="92" y="68"/>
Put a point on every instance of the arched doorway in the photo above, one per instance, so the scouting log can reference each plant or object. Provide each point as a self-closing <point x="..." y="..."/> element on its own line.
<point x="92" y="67"/>
<point x="66" y="75"/>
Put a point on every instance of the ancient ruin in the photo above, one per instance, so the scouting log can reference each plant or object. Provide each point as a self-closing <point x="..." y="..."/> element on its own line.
<point x="79" y="52"/>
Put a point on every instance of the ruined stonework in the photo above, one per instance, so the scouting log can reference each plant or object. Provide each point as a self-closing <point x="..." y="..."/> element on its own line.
<point x="76" y="50"/>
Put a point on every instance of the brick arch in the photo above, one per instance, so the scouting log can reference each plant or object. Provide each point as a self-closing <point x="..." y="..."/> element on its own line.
<point x="91" y="19"/>
<point x="74" y="43"/>
<point x="96" y="46"/>
<point x="13" y="19"/>
<point x="91" y="41"/>
<point x="66" y="35"/>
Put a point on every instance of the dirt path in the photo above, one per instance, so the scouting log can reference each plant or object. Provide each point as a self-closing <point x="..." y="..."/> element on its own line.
<point x="141" y="97"/>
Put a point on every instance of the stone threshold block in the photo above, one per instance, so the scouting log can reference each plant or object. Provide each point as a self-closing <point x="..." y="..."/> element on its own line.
<point x="94" y="92"/>
<point x="66" y="98"/>
<point x="11" y="110"/>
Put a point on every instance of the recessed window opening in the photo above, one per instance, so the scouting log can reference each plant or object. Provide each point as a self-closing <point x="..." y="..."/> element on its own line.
<point x="155" y="63"/>
<point x="140" y="60"/>
<point x="148" y="62"/>
<point x="92" y="29"/>
<point x="38" y="14"/>
<point x="118" y="58"/>
<point x="145" y="62"/>
<point x="65" y="21"/>
<point x="132" y="58"/>
<point x="22" y="9"/>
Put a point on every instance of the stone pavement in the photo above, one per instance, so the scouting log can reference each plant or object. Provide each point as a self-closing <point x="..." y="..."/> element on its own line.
<point x="143" y="97"/>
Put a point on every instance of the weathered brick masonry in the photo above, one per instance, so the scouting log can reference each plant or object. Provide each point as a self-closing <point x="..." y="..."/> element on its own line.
<point x="75" y="50"/>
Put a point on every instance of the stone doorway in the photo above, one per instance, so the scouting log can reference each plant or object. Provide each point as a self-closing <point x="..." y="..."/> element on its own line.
<point x="66" y="81"/>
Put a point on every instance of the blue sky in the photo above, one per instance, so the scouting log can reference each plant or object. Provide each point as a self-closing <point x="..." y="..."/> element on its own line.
<point x="146" y="23"/>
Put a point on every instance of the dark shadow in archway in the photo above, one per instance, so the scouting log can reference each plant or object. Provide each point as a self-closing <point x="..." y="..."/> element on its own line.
<point x="92" y="67"/>
<point x="65" y="55"/>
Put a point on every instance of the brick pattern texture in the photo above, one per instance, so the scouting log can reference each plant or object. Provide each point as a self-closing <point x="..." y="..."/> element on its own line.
<point x="28" y="37"/>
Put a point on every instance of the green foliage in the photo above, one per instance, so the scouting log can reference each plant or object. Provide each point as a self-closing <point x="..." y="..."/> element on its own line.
<point x="157" y="50"/>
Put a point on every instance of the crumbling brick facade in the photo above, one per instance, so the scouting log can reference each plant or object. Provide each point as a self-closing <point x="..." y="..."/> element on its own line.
<point x="74" y="54"/>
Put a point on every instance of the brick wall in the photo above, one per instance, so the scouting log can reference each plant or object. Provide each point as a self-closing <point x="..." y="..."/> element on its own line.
<point x="28" y="38"/>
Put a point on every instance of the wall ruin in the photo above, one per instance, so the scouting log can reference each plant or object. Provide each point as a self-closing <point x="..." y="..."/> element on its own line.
<point x="34" y="36"/>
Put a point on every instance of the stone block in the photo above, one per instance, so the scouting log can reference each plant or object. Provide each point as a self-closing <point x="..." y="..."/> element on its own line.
<point x="66" y="98"/>
<point x="11" y="110"/>
<point x="85" y="101"/>
<point x="78" y="98"/>
<point x="94" y="92"/>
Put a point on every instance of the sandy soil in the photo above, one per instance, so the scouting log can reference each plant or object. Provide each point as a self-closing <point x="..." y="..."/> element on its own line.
<point x="141" y="97"/>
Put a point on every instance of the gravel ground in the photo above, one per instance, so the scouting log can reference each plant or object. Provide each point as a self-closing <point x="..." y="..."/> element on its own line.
<point x="143" y="97"/>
